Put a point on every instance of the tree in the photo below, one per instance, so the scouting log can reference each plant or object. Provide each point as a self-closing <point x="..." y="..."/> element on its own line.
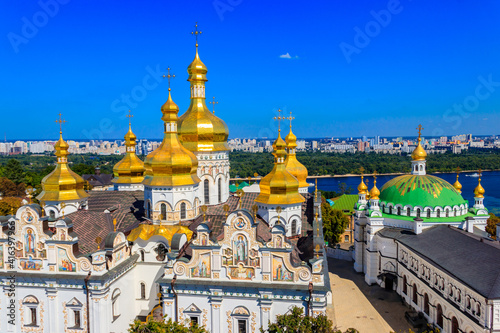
<point x="491" y="226"/>
<point x="10" y="189"/>
<point x="9" y="205"/>
<point x="162" y="326"/>
<point x="334" y="222"/>
<point x="13" y="170"/>
<point x="295" y="321"/>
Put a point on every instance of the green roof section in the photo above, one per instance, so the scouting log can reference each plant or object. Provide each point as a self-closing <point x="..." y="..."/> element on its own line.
<point x="430" y="220"/>
<point x="346" y="202"/>
<point x="234" y="188"/>
<point x="420" y="190"/>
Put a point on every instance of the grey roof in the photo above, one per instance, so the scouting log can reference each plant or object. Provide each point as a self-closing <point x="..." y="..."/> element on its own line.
<point x="469" y="258"/>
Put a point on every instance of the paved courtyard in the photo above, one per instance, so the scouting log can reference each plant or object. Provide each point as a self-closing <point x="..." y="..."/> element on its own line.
<point x="369" y="309"/>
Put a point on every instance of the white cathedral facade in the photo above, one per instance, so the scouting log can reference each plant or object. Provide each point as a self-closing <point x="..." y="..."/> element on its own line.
<point x="169" y="240"/>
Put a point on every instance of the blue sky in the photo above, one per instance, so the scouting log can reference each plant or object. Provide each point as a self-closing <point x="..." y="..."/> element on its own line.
<point x="355" y="67"/>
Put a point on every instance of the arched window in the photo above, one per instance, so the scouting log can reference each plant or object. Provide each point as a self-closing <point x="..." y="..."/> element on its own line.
<point x="478" y="312"/>
<point x="408" y="211"/>
<point x="439" y="316"/>
<point x="426" y="304"/>
<point x="163" y="208"/>
<point x="428" y="213"/>
<point x="149" y="210"/>
<point x="33" y="316"/>
<point x="52" y="215"/>
<point x="454" y="325"/>
<point x="294" y="227"/>
<point x="219" y="189"/>
<point x="438" y="213"/>
<point x="447" y="212"/>
<point x="399" y="210"/>
<point x="415" y="294"/>
<point x="454" y="212"/>
<point x="206" y="190"/>
<point x="142" y="254"/>
<point x="390" y="210"/>
<point x="183" y="210"/>
<point x="418" y="212"/>
<point x="467" y="303"/>
<point x="143" y="290"/>
<point x="405" y="285"/>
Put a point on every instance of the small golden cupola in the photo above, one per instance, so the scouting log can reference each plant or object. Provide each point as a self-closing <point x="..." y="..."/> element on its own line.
<point x="457" y="184"/>
<point x="199" y="129"/>
<point x="171" y="164"/>
<point x="297" y="169"/>
<point x="62" y="184"/>
<point x="479" y="190"/>
<point x="130" y="170"/>
<point x="374" y="192"/>
<point x="419" y="153"/>
<point x="362" y="188"/>
<point x="279" y="187"/>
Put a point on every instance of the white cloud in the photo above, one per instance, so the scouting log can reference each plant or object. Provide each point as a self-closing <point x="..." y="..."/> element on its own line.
<point x="288" y="56"/>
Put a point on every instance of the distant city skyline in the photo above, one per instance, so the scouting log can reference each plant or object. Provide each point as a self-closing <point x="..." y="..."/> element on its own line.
<point x="348" y="68"/>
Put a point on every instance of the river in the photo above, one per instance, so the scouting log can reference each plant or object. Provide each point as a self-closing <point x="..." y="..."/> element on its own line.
<point x="490" y="181"/>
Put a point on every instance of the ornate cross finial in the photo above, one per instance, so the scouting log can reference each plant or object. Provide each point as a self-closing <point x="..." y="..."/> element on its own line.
<point x="420" y="128"/>
<point x="480" y="172"/>
<point x="98" y="241"/>
<point x="213" y="102"/>
<point x="375" y="175"/>
<point x="114" y="225"/>
<point x="168" y="77"/>
<point x="361" y="170"/>
<point x="458" y="170"/>
<point x="60" y="121"/>
<point x="279" y="118"/>
<point x="290" y="118"/>
<point x="316" y="190"/>
<point x="129" y="116"/>
<point x="196" y="32"/>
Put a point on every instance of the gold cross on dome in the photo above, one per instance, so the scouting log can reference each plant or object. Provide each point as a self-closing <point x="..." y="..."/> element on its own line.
<point x="60" y="121"/>
<point x="420" y="128"/>
<point x="213" y="102"/>
<point x="129" y="116"/>
<point x="168" y="77"/>
<point x="290" y="118"/>
<point x="362" y="170"/>
<point x="375" y="175"/>
<point x="458" y="170"/>
<point x="480" y="172"/>
<point x="279" y="118"/>
<point x="196" y="32"/>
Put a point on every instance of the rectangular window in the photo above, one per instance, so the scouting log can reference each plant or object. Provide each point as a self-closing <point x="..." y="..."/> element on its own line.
<point x="194" y="320"/>
<point x="242" y="326"/>
<point x="33" y="316"/>
<point x="77" y="318"/>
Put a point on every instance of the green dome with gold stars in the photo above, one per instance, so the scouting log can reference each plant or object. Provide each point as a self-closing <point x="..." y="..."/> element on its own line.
<point x="420" y="190"/>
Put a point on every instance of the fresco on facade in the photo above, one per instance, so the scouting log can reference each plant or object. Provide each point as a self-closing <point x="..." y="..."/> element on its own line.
<point x="204" y="240"/>
<point x="63" y="262"/>
<point x="317" y="267"/>
<point x="202" y="270"/>
<point x="1" y="256"/>
<point x="241" y="273"/>
<point x="240" y="246"/>
<point x="29" y="242"/>
<point x="42" y="252"/>
<point x="30" y="264"/>
<point x="280" y="272"/>
<point x="278" y="242"/>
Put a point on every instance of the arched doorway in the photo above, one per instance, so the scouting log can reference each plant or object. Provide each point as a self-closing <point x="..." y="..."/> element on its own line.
<point x="439" y="316"/>
<point x="454" y="325"/>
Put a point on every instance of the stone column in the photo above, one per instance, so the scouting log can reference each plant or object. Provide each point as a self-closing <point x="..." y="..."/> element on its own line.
<point x="53" y="314"/>
<point x="216" y="310"/>
<point x="265" y="303"/>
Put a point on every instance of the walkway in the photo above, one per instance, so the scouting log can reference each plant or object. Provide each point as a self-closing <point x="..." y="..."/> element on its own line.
<point x="369" y="309"/>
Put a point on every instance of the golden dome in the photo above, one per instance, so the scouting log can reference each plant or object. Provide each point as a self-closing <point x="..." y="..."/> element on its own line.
<point x="362" y="188"/>
<point x="170" y="164"/>
<point x="479" y="190"/>
<point x="279" y="187"/>
<point x="297" y="169"/>
<point x="419" y="153"/>
<point x="62" y="184"/>
<point x="374" y="192"/>
<point x="130" y="170"/>
<point x="457" y="185"/>
<point x="146" y="231"/>
<point x="200" y="129"/>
